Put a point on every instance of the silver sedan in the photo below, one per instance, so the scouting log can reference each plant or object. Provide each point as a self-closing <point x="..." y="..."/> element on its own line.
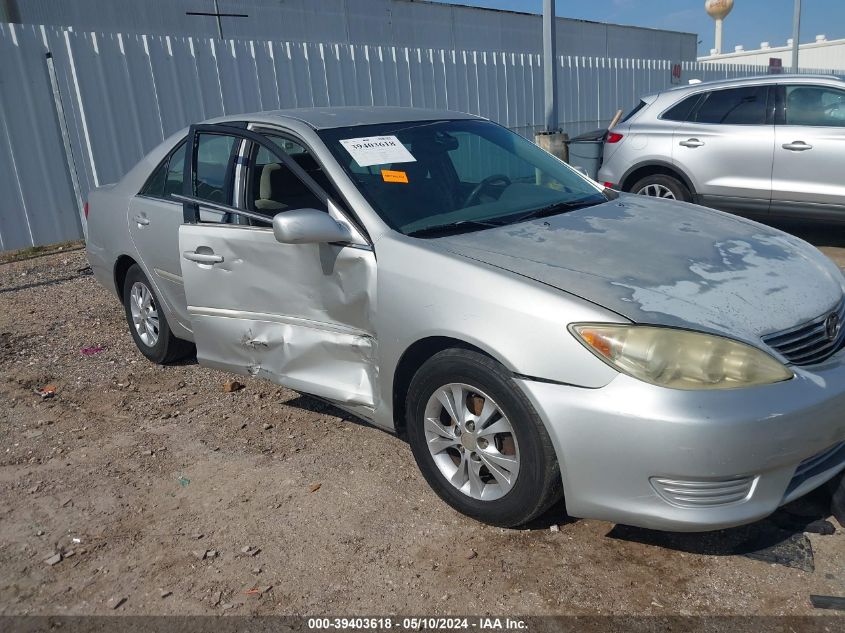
<point x="530" y="333"/>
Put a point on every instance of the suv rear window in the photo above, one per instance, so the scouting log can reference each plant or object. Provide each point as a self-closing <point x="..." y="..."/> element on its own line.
<point x="636" y="109"/>
<point x="682" y="111"/>
<point x="735" y="106"/>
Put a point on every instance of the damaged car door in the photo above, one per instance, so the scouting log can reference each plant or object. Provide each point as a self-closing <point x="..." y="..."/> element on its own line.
<point x="294" y="309"/>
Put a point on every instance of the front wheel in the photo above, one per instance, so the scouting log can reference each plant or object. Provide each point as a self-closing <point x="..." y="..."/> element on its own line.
<point x="662" y="186"/>
<point x="478" y="441"/>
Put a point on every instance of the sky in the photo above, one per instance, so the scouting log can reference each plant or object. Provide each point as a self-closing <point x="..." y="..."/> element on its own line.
<point x="751" y="22"/>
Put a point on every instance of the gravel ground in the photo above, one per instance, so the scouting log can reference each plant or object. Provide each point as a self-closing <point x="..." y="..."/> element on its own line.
<point x="152" y="482"/>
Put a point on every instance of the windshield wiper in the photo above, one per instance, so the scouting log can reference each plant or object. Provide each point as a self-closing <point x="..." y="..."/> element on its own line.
<point x="555" y="208"/>
<point x="450" y="227"/>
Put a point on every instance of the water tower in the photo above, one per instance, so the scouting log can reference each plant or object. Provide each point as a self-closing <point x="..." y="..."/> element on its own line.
<point x="718" y="10"/>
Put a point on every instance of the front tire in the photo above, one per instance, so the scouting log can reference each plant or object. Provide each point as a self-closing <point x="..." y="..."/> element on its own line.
<point x="478" y="441"/>
<point x="147" y="322"/>
<point x="662" y="186"/>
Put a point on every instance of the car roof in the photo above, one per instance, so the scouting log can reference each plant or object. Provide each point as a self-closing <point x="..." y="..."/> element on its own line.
<point x="755" y="81"/>
<point x="334" y="117"/>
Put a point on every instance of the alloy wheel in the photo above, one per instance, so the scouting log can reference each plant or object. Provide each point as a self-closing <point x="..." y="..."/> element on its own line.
<point x="471" y="441"/>
<point x="144" y="313"/>
<point x="657" y="191"/>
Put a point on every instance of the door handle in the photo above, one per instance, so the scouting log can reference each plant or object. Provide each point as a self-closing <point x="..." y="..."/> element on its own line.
<point x="692" y="142"/>
<point x="797" y="146"/>
<point x="202" y="258"/>
<point x="141" y="220"/>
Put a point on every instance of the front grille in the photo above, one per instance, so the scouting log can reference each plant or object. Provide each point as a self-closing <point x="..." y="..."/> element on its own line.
<point x="703" y="493"/>
<point x="809" y="343"/>
<point x="817" y="464"/>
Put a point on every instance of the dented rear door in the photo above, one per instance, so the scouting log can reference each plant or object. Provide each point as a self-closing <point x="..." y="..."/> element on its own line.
<point x="296" y="314"/>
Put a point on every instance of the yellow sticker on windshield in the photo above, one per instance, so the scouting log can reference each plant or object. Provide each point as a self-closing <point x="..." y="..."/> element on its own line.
<point x="394" y="176"/>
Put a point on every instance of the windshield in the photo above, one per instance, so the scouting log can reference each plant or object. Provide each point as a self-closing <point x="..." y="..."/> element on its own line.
<point x="421" y="176"/>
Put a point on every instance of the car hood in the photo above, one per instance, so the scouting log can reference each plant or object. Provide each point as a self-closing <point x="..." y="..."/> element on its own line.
<point x="667" y="263"/>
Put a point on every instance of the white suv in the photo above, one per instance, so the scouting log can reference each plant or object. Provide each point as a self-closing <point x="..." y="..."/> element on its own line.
<point x="764" y="146"/>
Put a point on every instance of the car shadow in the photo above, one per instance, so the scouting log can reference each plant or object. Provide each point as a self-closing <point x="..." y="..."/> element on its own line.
<point x="315" y="405"/>
<point x="816" y="233"/>
<point x="780" y="538"/>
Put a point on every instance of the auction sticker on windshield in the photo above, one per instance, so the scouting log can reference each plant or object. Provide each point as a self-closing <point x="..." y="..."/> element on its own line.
<point x="377" y="150"/>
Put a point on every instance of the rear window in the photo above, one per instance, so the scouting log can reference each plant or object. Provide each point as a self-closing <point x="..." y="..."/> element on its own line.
<point x="636" y="109"/>
<point x="682" y="111"/>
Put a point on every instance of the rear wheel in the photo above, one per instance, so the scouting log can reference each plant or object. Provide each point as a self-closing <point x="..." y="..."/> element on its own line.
<point x="478" y="441"/>
<point x="662" y="186"/>
<point x="147" y="322"/>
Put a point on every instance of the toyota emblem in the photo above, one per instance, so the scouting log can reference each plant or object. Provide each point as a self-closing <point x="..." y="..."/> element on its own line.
<point x="832" y="325"/>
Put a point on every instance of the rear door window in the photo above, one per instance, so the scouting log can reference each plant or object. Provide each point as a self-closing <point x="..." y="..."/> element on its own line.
<point x="734" y="106"/>
<point x="167" y="177"/>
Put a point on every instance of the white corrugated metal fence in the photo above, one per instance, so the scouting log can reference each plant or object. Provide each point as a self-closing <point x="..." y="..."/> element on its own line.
<point x="123" y="94"/>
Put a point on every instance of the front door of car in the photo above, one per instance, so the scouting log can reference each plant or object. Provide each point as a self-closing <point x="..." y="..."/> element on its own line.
<point x="726" y="147"/>
<point x="296" y="314"/>
<point x="809" y="145"/>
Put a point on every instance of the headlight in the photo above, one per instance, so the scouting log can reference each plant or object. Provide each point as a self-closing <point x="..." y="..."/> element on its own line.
<point x="680" y="359"/>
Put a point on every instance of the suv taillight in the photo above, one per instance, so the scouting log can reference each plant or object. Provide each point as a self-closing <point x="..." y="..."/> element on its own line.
<point x="614" y="137"/>
<point x="85" y="210"/>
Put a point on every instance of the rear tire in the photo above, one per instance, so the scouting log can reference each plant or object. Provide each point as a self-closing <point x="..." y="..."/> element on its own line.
<point x="662" y="186"/>
<point x="147" y="322"/>
<point x="517" y="477"/>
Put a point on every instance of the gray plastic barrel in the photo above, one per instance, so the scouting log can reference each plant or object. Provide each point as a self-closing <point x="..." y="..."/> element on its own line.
<point x="586" y="150"/>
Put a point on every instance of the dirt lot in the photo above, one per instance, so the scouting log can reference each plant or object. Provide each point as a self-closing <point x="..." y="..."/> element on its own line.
<point x="151" y="481"/>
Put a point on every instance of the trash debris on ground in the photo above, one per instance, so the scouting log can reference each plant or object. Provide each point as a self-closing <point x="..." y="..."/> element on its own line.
<point x="183" y="481"/>
<point x="230" y="386"/>
<point x="554" y="528"/>
<point x="47" y="391"/>
<point x="257" y="591"/>
<point x="828" y="602"/>
<point x="90" y="351"/>
<point x="314" y="487"/>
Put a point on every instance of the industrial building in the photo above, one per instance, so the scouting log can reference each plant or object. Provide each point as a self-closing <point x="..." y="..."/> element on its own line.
<point x="821" y="53"/>
<point x="413" y="23"/>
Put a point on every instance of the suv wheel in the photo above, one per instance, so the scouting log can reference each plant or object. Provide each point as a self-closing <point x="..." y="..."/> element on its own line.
<point x="662" y="186"/>
<point x="478" y="441"/>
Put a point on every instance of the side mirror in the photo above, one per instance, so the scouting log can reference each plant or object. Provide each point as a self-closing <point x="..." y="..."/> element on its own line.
<point x="308" y="226"/>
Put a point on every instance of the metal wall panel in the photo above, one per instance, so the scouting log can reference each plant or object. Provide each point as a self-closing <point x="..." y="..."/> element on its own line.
<point x="124" y="93"/>
<point x="373" y="22"/>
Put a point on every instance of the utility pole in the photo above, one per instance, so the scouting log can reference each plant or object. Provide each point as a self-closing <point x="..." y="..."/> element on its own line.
<point x="551" y="138"/>
<point x="796" y="35"/>
<point x="550" y="65"/>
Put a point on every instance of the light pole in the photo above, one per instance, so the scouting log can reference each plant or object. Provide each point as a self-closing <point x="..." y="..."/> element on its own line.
<point x="796" y="35"/>
<point x="550" y="65"/>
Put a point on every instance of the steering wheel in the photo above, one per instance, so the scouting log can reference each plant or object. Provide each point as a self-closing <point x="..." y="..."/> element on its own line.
<point x="472" y="198"/>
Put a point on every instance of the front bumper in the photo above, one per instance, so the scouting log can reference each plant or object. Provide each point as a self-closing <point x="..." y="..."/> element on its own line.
<point x="619" y="445"/>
